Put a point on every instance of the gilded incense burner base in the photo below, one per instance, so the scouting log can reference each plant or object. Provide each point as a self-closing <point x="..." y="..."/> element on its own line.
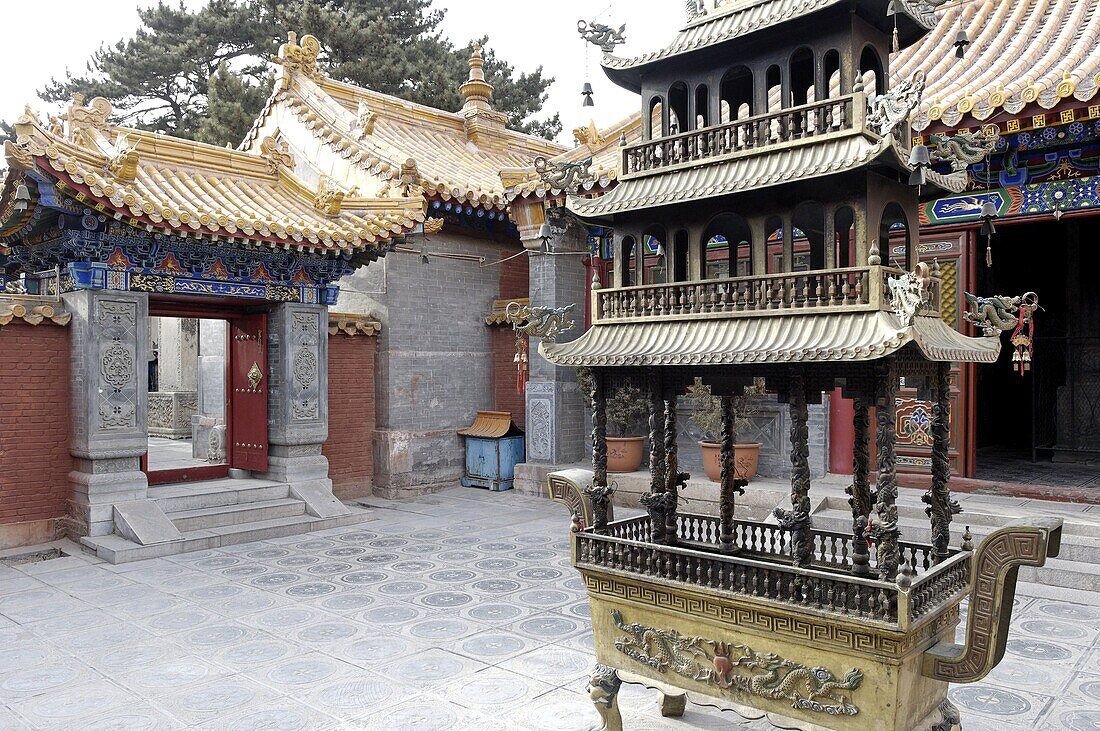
<point x="763" y="660"/>
<point x="811" y="647"/>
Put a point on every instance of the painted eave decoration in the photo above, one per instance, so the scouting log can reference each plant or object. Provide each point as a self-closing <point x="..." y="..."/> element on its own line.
<point x="414" y="149"/>
<point x="168" y="185"/>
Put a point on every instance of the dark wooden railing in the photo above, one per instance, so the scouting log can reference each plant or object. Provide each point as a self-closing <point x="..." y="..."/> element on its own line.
<point x="765" y="130"/>
<point x="762" y="567"/>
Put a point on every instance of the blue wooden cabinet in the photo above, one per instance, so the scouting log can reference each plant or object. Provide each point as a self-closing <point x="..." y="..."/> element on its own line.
<point x="494" y="446"/>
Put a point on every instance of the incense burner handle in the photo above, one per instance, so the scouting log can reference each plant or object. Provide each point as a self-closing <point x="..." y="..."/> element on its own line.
<point x="996" y="563"/>
<point x="567" y="487"/>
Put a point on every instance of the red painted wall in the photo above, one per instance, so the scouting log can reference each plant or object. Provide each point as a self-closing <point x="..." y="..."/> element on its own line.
<point x="34" y="431"/>
<point x="351" y="416"/>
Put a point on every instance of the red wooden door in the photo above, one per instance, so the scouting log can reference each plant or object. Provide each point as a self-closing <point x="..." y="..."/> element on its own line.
<point x="248" y="380"/>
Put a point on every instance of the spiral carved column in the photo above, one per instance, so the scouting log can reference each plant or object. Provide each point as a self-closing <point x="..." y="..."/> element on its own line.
<point x="940" y="505"/>
<point x="860" y="491"/>
<point x="730" y="483"/>
<point x="885" y="528"/>
<point x="654" y="500"/>
<point x="672" y="471"/>
<point x="599" y="493"/>
<point x="797" y="519"/>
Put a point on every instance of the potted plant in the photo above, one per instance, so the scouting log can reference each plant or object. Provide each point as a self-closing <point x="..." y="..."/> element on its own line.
<point x="626" y="409"/>
<point x="707" y="415"/>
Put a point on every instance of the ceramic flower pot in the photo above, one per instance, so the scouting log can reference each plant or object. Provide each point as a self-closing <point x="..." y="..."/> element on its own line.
<point x="746" y="458"/>
<point x="624" y="454"/>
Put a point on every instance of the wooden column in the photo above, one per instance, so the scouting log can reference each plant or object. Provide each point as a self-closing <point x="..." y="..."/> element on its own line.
<point x="654" y="500"/>
<point x="797" y="519"/>
<point x="885" y="528"/>
<point x="672" y="470"/>
<point x="940" y="506"/>
<point x="730" y="484"/>
<point x="599" y="493"/>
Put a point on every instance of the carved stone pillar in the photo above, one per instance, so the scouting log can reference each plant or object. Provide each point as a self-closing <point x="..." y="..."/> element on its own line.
<point x="298" y="395"/>
<point x="940" y="505"/>
<point x="797" y="519"/>
<point x="885" y="528"/>
<point x="672" y="471"/>
<point x="110" y="391"/>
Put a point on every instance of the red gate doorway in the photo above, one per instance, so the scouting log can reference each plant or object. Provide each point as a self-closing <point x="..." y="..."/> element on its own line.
<point x="246" y="381"/>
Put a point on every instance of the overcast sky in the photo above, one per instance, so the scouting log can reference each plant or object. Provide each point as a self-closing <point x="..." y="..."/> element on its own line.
<point x="46" y="38"/>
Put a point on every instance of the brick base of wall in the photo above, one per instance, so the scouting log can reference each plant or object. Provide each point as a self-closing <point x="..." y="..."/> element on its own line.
<point x="351" y="416"/>
<point x="34" y="432"/>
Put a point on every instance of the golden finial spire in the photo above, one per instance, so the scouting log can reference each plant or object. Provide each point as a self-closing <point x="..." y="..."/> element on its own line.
<point x="477" y="92"/>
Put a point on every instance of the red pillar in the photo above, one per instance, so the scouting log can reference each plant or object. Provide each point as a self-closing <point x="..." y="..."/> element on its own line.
<point x="841" y="433"/>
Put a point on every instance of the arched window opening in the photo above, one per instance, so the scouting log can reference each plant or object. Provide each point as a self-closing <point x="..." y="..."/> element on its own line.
<point x="830" y="66"/>
<point x="809" y="245"/>
<point x="653" y="256"/>
<point x="678" y="119"/>
<point x="802" y="77"/>
<point x="844" y="226"/>
<point x="626" y="262"/>
<point x="870" y="70"/>
<point x="727" y="247"/>
<point x="894" y="237"/>
<point x="656" y="118"/>
<point x="702" y="107"/>
<point x="773" y="245"/>
<point x="774" y="81"/>
<point x="736" y="94"/>
<point x="680" y="257"/>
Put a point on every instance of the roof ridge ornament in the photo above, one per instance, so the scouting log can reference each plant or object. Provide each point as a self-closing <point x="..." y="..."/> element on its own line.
<point x="567" y="176"/>
<point x="909" y="292"/>
<point x="122" y="163"/>
<point x="276" y="151"/>
<point x="300" y="57"/>
<point x="365" y="118"/>
<point x="407" y="182"/>
<point x="478" y="113"/>
<point x="589" y="134"/>
<point x="81" y="117"/>
<point x="964" y="148"/>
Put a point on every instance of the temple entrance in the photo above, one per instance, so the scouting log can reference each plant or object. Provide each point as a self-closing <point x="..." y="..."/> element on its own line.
<point x="207" y="393"/>
<point x="1043" y="428"/>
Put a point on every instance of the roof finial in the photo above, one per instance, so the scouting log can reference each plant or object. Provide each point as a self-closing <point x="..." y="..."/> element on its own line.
<point x="477" y="92"/>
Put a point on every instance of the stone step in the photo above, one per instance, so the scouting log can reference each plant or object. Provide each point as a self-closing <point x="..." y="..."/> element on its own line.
<point x="1064" y="573"/>
<point x="215" y="493"/>
<point x="116" y="549"/>
<point x="222" y="515"/>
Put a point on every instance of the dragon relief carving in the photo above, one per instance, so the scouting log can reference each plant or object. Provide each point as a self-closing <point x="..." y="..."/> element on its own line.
<point x="540" y="322"/>
<point x="567" y="176"/>
<point x="765" y="675"/>
<point x="603" y="36"/>
<point x="964" y="148"/>
<point x="993" y="315"/>
<point x="910" y="292"/>
<point x="891" y="110"/>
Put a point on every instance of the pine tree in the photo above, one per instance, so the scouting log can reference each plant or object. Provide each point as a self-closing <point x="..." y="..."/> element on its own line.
<point x="205" y="74"/>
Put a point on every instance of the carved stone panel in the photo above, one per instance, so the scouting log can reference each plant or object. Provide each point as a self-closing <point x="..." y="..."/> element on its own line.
<point x="116" y="323"/>
<point x="298" y="365"/>
<point x="540" y="426"/>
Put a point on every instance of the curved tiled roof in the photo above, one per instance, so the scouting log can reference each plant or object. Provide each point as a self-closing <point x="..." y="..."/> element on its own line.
<point x="457" y="155"/>
<point x="1027" y="52"/>
<point x="164" y="183"/>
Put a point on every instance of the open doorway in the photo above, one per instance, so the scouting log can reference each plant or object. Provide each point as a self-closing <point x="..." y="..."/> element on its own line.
<point x="187" y="398"/>
<point x="1042" y="428"/>
<point x="207" y="393"/>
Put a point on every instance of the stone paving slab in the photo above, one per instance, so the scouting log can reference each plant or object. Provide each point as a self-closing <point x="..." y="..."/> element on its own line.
<point x="453" y="611"/>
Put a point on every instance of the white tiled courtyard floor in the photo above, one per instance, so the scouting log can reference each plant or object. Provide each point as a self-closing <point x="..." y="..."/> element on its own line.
<point x="454" y="611"/>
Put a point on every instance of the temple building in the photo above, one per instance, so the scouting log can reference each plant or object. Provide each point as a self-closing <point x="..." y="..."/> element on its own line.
<point x="1031" y="74"/>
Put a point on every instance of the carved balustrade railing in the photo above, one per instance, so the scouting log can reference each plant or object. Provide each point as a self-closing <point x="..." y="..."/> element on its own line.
<point x="802" y="123"/>
<point x="762" y="568"/>
<point x="826" y="290"/>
